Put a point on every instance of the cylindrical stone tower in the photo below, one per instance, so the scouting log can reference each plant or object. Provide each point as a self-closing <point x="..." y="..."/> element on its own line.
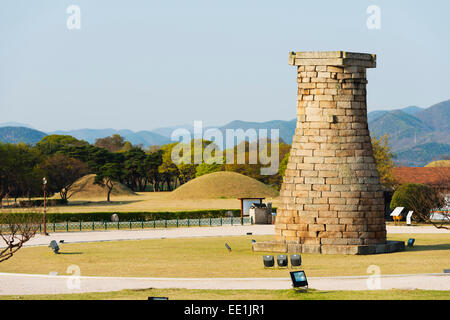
<point x="331" y="193"/>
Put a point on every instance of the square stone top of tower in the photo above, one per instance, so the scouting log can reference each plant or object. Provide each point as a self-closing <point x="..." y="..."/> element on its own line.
<point x="333" y="58"/>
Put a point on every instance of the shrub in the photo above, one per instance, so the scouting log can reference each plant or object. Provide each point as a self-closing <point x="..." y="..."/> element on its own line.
<point x="419" y="198"/>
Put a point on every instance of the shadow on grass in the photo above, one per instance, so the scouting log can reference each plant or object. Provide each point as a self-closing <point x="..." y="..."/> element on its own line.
<point x="70" y="253"/>
<point x="103" y="203"/>
<point x="428" y="247"/>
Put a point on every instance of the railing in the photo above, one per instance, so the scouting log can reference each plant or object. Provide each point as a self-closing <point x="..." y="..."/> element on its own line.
<point x="153" y="224"/>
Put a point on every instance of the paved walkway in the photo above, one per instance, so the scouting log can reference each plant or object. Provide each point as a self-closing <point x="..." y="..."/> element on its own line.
<point x="23" y="284"/>
<point x="142" y="234"/>
<point x="192" y="232"/>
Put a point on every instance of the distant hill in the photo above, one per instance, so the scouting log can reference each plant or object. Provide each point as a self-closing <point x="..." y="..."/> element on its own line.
<point x="20" y="134"/>
<point x="412" y="110"/>
<point x="417" y="135"/>
<point x="438" y="117"/>
<point x="404" y="130"/>
<point x="287" y="128"/>
<point x="15" y="124"/>
<point x="374" y="115"/>
<point x="167" y="131"/>
<point x="421" y="155"/>
<point x="144" y="138"/>
<point x="416" y="138"/>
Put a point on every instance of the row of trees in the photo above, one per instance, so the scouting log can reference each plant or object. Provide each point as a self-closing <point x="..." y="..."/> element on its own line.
<point x="64" y="159"/>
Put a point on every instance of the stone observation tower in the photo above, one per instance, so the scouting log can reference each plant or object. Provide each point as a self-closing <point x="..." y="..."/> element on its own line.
<point x="331" y="197"/>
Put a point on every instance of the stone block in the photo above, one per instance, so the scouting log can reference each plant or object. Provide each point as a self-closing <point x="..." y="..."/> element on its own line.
<point x="320" y="62"/>
<point x="334" y="249"/>
<point x="318" y="54"/>
<point x="294" y="248"/>
<point x="335" y="227"/>
<point x="306" y="234"/>
<point x="331" y="241"/>
<point x="311" y="248"/>
<point x="316" y="228"/>
<point x="314" y="241"/>
<point x="270" y="247"/>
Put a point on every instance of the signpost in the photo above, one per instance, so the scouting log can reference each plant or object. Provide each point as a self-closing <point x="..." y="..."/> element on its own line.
<point x="396" y="214"/>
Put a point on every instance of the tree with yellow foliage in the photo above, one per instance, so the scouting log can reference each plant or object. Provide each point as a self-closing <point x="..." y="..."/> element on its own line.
<point x="383" y="158"/>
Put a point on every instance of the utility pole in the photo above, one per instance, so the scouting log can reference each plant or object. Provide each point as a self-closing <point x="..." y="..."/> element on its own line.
<point x="44" y="182"/>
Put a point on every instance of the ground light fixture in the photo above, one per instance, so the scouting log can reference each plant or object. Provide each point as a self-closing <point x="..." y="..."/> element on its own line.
<point x="411" y="242"/>
<point x="296" y="260"/>
<point x="269" y="261"/>
<point x="282" y="261"/>
<point x="299" y="279"/>
<point x="228" y="247"/>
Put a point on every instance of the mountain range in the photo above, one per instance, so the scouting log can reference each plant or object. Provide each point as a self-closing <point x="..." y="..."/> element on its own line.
<point x="144" y="138"/>
<point x="416" y="135"/>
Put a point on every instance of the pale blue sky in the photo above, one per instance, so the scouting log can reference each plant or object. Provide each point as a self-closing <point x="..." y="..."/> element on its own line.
<point x="146" y="64"/>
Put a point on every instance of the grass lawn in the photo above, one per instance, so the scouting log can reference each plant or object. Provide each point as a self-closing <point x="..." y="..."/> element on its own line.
<point x="182" y="294"/>
<point x="208" y="257"/>
<point x="144" y="201"/>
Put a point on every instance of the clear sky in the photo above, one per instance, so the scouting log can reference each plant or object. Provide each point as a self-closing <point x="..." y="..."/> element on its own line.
<point x="145" y="64"/>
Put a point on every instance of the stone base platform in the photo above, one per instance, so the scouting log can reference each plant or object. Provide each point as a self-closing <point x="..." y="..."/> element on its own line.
<point x="283" y="247"/>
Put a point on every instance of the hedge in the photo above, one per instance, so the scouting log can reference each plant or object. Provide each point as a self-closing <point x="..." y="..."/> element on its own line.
<point x="40" y="203"/>
<point x="419" y="198"/>
<point x="138" y="216"/>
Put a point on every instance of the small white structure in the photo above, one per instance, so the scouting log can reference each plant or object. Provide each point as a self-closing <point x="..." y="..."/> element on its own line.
<point x="408" y="218"/>
<point x="440" y="216"/>
<point x="260" y="214"/>
<point x="397" y="214"/>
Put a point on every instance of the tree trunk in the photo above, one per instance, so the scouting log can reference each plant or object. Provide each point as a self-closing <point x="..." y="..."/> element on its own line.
<point x="110" y="186"/>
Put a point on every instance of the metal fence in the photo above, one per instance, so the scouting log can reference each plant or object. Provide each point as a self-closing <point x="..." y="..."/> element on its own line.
<point x="131" y="225"/>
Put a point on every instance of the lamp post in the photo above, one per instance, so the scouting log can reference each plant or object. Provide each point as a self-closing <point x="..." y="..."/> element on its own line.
<point x="44" y="182"/>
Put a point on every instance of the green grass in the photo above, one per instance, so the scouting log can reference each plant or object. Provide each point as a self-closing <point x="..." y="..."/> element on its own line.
<point x="208" y="257"/>
<point x="183" y="294"/>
